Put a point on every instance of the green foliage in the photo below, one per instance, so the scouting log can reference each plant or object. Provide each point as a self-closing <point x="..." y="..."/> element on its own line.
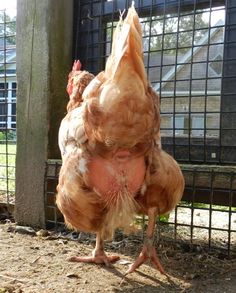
<point x="164" y="218"/>
<point x="9" y="135"/>
<point x="154" y="27"/>
<point x="184" y="25"/>
<point x="8" y="28"/>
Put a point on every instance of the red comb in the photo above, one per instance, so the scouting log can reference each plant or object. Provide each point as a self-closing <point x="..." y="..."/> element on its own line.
<point x="76" y="65"/>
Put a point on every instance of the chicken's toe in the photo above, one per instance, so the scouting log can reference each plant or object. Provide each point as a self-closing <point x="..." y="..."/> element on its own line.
<point x="98" y="259"/>
<point x="147" y="253"/>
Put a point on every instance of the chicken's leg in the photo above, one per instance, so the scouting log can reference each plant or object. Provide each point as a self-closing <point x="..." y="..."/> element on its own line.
<point x="98" y="255"/>
<point x="148" y="252"/>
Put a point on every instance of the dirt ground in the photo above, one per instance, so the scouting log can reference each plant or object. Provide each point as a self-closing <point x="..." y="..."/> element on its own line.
<point x="37" y="263"/>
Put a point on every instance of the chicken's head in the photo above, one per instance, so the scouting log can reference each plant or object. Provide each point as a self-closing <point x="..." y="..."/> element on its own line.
<point x="75" y="71"/>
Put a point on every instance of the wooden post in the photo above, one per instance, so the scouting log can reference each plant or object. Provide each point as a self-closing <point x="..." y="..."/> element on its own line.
<point x="44" y="58"/>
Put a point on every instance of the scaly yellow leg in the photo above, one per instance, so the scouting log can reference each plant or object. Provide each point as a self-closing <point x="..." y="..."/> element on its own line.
<point x="148" y="252"/>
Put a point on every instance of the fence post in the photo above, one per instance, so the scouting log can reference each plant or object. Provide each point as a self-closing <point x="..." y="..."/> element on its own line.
<point x="44" y="57"/>
<point x="228" y="101"/>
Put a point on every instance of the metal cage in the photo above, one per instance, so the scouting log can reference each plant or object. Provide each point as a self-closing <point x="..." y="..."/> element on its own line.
<point x="189" y="55"/>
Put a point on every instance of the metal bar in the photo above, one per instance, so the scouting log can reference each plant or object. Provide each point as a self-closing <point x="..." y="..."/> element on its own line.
<point x="230" y="212"/>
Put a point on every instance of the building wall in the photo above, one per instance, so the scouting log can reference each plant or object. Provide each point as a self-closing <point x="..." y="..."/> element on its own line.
<point x="196" y="106"/>
<point x="201" y="109"/>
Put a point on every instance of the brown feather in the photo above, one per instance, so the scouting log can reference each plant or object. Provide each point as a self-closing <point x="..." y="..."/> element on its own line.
<point x="166" y="185"/>
<point x="82" y="208"/>
<point x="113" y="165"/>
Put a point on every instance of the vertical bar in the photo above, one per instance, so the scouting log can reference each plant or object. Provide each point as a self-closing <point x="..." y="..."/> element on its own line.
<point x="101" y="37"/>
<point x="221" y="98"/>
<point x="112" y="25"/>
<point x="176" y="220"/>
<point x="230" y="211"/>
<point x="45" y="191"/>
<point x="77" y="23"/>
<point x="228" y="102"/>
<point x="161" y="63"/>
<point x="6" y="104"/>
<point x="206" y="83"/>
<point x="9" y="106"/>
<point x="190" y="86"/>
<point x="174" y="97"/>
<point x="149" y="40"/>
<point x="192" y="204"/>
<point x="210" y="208"/>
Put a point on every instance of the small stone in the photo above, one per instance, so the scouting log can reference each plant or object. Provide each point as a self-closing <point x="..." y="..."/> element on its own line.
<point x="198" y="248"/>
<point x="35" y="247"/>
<point x="177" y="256"/>
<point x="191" y="276"/>
<point x="42" y="233"/>
<point x="62" y="241"/>
<point x="25" y="230"/>
<point x="75" y="235"/>
<point x="200" y="256"/>
<point x="170" y="253"/>
<point x="18" y="290"/>
<point x="11" y="229"/>
<point x="7" y="289"/>
<point x="124" y="262"/>
<point x="72" y="275"/>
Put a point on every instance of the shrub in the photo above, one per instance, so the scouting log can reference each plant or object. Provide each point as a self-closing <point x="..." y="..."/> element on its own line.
<point x="8" y="135"/>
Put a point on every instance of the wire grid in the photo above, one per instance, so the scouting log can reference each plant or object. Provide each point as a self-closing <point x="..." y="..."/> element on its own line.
<point x="187" y="57"/>
<point x="8" y="88"/>
<point x="54" y="219"/>
<point x="207" y="214"/>
<point x="199" y="219"/>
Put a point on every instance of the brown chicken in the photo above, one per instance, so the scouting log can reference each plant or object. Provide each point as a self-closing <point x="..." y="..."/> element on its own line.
<point x="113" y="166"/>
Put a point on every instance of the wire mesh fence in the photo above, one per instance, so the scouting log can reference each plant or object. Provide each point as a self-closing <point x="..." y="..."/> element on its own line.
<point x="205" y="217"/>
<point x="189" y="56"/>
<point x="188" y="49"/>
<point x="207" y="213"/>
<point x="8" y="88"/>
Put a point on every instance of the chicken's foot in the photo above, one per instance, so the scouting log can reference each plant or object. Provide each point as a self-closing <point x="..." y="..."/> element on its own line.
<point x="148" y="252"/>
<point x="98" y="255"/>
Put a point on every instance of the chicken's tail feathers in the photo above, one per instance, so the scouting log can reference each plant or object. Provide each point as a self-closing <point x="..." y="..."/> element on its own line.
<point x="127" y="42"/>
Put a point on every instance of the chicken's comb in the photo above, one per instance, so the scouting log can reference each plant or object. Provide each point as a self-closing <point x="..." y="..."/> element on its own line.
<point x="77" y="65"/>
